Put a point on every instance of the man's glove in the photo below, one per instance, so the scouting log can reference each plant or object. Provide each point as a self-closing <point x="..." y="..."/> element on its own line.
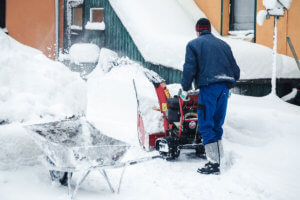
<point x="183" y="95"/>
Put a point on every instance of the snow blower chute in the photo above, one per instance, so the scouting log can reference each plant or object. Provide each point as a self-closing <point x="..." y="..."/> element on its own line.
<point x="179" y="118"/>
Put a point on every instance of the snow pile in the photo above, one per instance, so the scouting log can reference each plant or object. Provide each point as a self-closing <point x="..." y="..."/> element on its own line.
<point x="286" y="3"/>
<point x="4" y="30"/>
<point x="16" y="147"/>
<point x="76" y="27"/>
<point x="95" y="26"/>
<point x="273" y="7"/>
<point x="263" y="135"/>
<point x="255" y="61"/>
<point x="75" y="3"/>
<point x="244" y="34"/>
<point x="111" y="83"/>
<point x="277" y="4"/>
<point x="162" y="32"/>
<point x="84" y="53"/>
<point x="34" y="87"/>
<point x="107" y="59"/>
<point x="261" y="16"/>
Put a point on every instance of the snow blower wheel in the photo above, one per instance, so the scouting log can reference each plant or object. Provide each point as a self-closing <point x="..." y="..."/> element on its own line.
<point x="168" y="147"/>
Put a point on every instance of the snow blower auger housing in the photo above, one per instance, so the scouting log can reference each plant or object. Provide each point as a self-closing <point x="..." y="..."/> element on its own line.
<point x="179" y="122"/>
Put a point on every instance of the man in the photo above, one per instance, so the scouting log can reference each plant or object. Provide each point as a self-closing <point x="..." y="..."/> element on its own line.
<point x="210" y="62"/>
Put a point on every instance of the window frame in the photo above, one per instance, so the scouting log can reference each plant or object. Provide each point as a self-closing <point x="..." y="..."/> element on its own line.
<point x="91" y="14"/>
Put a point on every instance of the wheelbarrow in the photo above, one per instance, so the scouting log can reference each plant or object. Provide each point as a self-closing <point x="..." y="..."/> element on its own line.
<point x="75" y="145"/>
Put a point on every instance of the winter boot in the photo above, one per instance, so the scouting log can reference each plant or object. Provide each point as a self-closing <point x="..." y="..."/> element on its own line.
<point x="213" y="156"/>
<point x="210" y="168"/>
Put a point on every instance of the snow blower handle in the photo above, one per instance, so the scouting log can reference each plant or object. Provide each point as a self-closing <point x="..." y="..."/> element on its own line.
<point x="183" y="95"/>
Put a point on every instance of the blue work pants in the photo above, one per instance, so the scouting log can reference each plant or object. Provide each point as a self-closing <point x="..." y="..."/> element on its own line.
<point x="212" y="106"/>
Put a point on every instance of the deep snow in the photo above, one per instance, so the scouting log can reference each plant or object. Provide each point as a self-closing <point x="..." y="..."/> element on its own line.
<point x="33" y="87"/>
<point x="261" y="142"/>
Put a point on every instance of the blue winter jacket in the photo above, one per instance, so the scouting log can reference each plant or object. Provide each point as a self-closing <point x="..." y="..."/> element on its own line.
<point x="209" y="60"/>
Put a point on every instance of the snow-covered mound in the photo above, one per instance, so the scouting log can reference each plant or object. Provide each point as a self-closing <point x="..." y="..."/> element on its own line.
<point x="111" y="83"/>
<point x="16" y="147"/>
<point x="34" y="87"/>
<point x="162" y="32"/>
<point x="84" y="53"/>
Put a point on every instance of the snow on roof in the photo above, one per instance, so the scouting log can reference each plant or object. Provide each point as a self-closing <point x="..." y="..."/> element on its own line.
<point x="75" y="3"/>
<point x="161" y="30"/>
<point x="272" y="4"/>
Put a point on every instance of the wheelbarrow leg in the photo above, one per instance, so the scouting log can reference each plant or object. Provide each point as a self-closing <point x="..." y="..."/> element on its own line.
<point x="103" y="172"/>
<point x="121" y="179"/>
<point x="69" y="183"/>
<point x="79" y="182"/>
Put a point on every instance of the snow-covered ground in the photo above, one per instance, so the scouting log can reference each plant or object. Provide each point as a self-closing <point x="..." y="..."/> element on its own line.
<point x="261" y="142"/>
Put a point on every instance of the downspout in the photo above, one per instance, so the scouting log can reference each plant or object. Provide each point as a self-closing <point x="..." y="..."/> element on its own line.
<point x="56" y="29"/>
<point x="221" y="27"/>
<point x="255" y="11"/>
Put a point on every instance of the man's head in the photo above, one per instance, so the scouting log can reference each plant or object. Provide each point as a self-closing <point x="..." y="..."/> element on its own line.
<point x="202" y="24"/>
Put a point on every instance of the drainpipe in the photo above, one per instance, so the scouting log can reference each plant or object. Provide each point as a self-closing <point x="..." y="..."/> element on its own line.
<point x="255" y="8"/>
<point x="221" y="27"/>
<point x="56" y="29"/>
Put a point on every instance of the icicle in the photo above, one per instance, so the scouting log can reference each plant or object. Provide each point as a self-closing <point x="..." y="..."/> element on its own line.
<point x="274" y="56"/>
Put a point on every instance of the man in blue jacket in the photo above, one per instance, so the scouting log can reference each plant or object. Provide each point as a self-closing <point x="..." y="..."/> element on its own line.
<point x="210" y="62"/>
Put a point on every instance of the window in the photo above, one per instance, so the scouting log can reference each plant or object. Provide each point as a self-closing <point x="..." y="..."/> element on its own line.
<point x="96" y="14"/>
<point x="77" y="16"/>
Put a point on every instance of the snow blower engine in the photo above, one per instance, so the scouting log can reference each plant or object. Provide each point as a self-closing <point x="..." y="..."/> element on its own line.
<point x="179" y="122"/>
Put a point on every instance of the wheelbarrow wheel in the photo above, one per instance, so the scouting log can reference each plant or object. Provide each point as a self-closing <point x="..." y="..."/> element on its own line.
<point x="59" y="176"/>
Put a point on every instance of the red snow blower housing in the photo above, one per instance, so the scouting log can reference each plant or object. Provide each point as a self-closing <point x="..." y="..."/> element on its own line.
<point x="179" y="122"/>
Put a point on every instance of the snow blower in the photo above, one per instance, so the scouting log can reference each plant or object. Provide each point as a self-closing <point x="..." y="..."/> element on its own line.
<point x="180" y="128"/>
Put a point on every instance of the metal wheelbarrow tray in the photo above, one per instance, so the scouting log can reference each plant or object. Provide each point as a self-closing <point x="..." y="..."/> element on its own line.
<point x="75" y="145"/>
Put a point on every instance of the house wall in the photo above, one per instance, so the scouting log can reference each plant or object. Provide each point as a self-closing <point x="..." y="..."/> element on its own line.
<point x="93" y="36"/>
<point x="212" y="9"/>
<point x="32" y="22"/>
<point x="289" y="25"/>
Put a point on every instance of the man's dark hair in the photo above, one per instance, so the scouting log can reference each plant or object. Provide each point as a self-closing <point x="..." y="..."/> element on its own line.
<point x="203" y="24"/>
